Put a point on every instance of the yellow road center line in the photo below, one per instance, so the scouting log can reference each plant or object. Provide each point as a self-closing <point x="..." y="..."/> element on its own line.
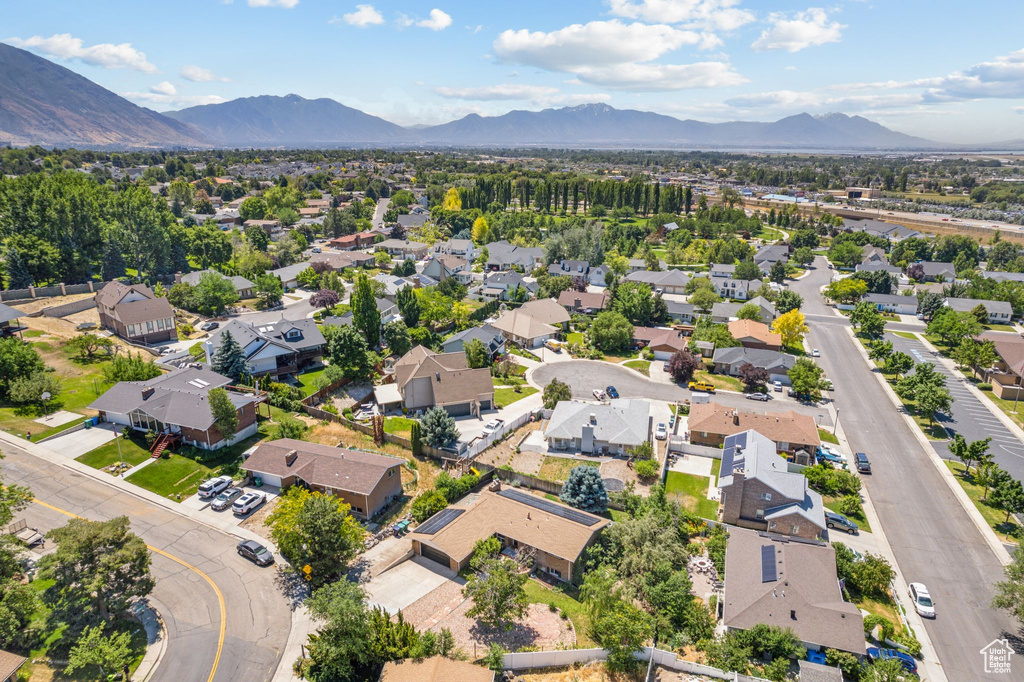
<point x="220" y="596"/>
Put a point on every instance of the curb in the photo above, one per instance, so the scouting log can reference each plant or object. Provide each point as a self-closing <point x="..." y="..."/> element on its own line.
<point x="995" y="544"/>
<point x="150" y="664"/>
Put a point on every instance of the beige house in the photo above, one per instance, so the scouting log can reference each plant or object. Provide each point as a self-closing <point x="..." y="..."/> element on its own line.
<point x="530" y="325"/>
<point x="426" y="379"/>
<point x="135" y="313"/>
<point x="553" y="534"/>
<point x="711" y="422"/>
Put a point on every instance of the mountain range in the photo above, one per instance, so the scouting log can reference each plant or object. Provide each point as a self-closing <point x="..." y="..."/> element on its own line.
<point x="44" y="103"/>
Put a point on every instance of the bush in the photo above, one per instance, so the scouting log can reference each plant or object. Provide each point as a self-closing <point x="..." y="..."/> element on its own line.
<point x="850" y="505"/>
<point x="647" y="353"/>
<point x="186" y="329"/>
<point x="428" y="504"/>
<point x="909" y="642"/>
<point x="984" y="386"/>
<point x="647" y="468"/>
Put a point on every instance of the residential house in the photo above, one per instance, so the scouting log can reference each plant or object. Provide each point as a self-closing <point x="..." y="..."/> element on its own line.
<point x="403" y="248"/>
<point x="710" y="423"/>
<point x="1005" y="374"/>
<point x="367" y="482"/>
<point x="434" y="669"/>
<point x="753" y="334"/>
<point x="463" y="248"/>
<point x="724" y="312"/>
<point x="1003" y="276"/>
<point x="498" y="286"/>
<point x="791" y="584"/>
<point x="584" y="301"/>
<point x="936" y="270"/>
<point x="726" y="270"/>
<point x="392" y="284"/>
<point x="534" y="323"/>
<point x="271" y="227"/>
<point x="387" y="308"/>
<point x="243" y="287"/>
<point x="881" y="266"/>
<point x="504" y="256"/>
<point x="413" y="220"/>
<point x="570" y="268"/>
<point x="340" y="260"/>
<point x="818" y="672"/>
<point x="759" y="491"/>
<point x="135" y="313"/>
<point x="729" y="360"/>
<point x="552" y="534"/>
<point x="678" y="311"/>
<point x="872" y="254"/>
<point x="770" y="254"/>
<point x="893" y="303"/>
<point x="612" y="428"/>
<point x="349" y="242"/>
<point x="309" y="211"/>
<point x="491" y="337"/>
<point x="662" y="341"/>
<point x="876" y="228"/>
<point x="597" y="276"/>
<point x="289" y="274"/>
<point x="10" y="664"/>
<point x="442" y="266"/>
<point x="999" y="312"/>
<point x="427" y="379"/>
<point x="661" y="281"/>
<point x="273" y="349"/>
<point x="639" y="264"/>
<point x="178" y="404"/>
<point x="735" y="289"/>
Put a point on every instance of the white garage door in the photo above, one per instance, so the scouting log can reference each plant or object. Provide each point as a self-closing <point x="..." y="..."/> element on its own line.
<point x="269" y="480"/>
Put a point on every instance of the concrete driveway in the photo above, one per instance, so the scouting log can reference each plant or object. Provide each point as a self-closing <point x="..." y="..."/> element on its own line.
<point x="395" y="589"/>
<point x="203" y="504"/>
<point x="76" y="444"/>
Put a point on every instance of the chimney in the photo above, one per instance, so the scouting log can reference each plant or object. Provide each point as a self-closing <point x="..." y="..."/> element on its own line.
<point x="792" y="614"/>
<point x="290" y="457"/>
<point x="736" y="418"/>
<point x="147" y="392"/>
<point x="593" y="418"/>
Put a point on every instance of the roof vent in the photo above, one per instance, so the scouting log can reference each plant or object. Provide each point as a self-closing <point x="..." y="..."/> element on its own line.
<point x="593" y="418"/>
<point x="437" y="375"/>
<point x="792" y="614"/>
<point x="290" y="457"/>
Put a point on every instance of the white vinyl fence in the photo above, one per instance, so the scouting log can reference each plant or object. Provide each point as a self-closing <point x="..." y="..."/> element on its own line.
<point x="550" y="659"/>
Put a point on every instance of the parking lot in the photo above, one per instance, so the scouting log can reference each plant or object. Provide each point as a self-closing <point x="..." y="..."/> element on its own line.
<point x="203" y="504"/>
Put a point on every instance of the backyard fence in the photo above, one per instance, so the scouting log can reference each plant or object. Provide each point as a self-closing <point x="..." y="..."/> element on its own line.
<point x="691" y="449"/>
<point x="481" y="443"/>
<point x="69" y="308"/>
<point x="565" y="657"/>
<point x="317" y="413"/>
<point x="528" y="481"/>
<point x="317" y="396"/>
<point x="50" y="291"/>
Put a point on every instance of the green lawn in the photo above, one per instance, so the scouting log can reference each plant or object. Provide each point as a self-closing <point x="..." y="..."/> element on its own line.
<point x="575" y="337"/>
<point x="523" y="353"/>
<point x="504" y="397"/>
<point x="132" y="450"/>
<point x="400" y="426"/>
<point x="537" y="593"/>
<point x="558" y="468"/>
<point x="642" y="366"/>
<point x="179" y="475"/>
<point x="999" y="328"/>
<point x="827" y="437"/>
<point x="1007" y="406"/>
<point x="692" y="492"/>
<point x="721" y="381"/>
<point x="906" y="335"/>
<point x="832" y="503"/>
<point x="1008" y="531"/>
<point x="306" y="380"/>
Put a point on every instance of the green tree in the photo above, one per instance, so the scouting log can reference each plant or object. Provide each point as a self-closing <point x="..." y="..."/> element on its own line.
<point x="866" y="317"/>
<point x="208" y="245"/>
<point x="1010" y="592"/>
<point x="1008" y="495"/>
<point x="268" y="289"/>
<point x="213" y="294"/>
<point x="347" y="349"/>
<point x="416" y="439"/>
<point x="846" y="290"/>
<point x="704" y="299"/>
<point x="99" y="569"/>
<point x="18" y="275"/>
<point x="229" y="358"/>
<point x="881" y="351"/>
<point x="439" y="427"/>
<point x="777" y="273"/>
<point x="113" y="265"/>
<point x="623" y="631"/>
<point x="314" y="529"/>
<point x="968" y="453"/>
<point x="584" y="489"/>
<point x="555" y="392"/>
<point x="257" y="236"/>
<point x="899" y="363"/>
<point x="225" y="415"/>
<point x="498" y="593"/>
<point x="806" y="379"/>
<point x="749" y="311"/>
<point x="428" y="504"/>
<point x="952" y="326"/>
<point x="601" y="591"/>
<point x="31" y="389"/>
<point x="110" y="653"/>
<point x="365" y="315"/>
<point x="747" y="270"/>
<point x="18" y="604"/>
<point x="141" y="225"/>
<point x="845" y="254"/>
<point x="635" y="302"/>
<point x="611" y="332"/>
<point x="340" y="649"/>
<point x="17" y="360"/>
<point x="308" y="279"/>
<point x="409" y="306"/>
<point x="88" y="345"/>
<point x="396" y="335"/>
<point x="477" y="354"/>
<point x="130" y="367"/>
<point x="802" y="256"/>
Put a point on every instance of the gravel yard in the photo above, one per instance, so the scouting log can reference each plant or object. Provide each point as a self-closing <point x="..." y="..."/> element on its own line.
<point x="541" y="628"/>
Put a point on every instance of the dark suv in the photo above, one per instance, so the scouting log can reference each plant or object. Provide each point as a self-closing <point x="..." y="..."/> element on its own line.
<point x="863" y="465"/>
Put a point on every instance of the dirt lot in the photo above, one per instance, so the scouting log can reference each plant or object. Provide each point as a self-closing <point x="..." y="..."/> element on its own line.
<point x="502" y="453"/>
<point x="618" y="468"/>
<point x="598" y="672"/>
<point x="541" y="628"/>
<point x="254" y="521"/>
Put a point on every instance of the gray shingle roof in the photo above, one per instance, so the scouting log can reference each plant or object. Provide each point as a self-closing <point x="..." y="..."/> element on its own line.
<point x="621" y="422"/>
<point x="771" y="360"/>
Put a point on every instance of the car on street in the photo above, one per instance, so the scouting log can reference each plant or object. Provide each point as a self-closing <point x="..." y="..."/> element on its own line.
<point x="255" y="552"/>
<point x="815" y="353"/>
<point x="317" y="249"/>
<point x="705" y="386"/>
<point x="833" y="520"/>
<point x="213" y="486"/>
<point x="909" y="664"/>
<point x="210" y="326"/>
<point x="492" y="426"/>
<point x="661" y="433"/>
<point x="599" y="394"/>
<point x="863" y="465"/>
<point x="226" y="498"/>
<point x="923" y="603"/>
<point x="612" y="392"/>
<point x="763" y="397"/>
<point x="248" y="502"/>
<point x="777" y="385"/>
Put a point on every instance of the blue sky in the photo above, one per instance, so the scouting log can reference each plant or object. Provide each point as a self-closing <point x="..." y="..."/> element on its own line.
<point x="945" y="70"/>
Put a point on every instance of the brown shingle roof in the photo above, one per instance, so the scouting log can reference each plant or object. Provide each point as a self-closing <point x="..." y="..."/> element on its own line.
<point x="496" y="514"/>
<point x="451" y="379"/>
<point x="349" y="470"/>
<point x="661" y="338"/>
<point x="587" y="299"/>
<point x="805" y="596"/>
<point x="434" y="669"/>
<point x="9" y="663"/>
<point x="789" y="426"/>
<point x="758" y="331"/>
<point x="520" y="323"/>
<point x="546" y="310"/>
<point x="1010" y="348"/>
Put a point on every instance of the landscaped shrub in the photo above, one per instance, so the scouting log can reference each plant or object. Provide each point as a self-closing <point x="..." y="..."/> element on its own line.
<point x="428" y="504"/>
<point x="850" y="505"/>
<point x="984" y="386"/>
<point x="647" y="468"/>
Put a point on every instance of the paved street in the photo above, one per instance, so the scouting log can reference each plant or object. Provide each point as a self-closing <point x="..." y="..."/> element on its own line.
<point x="969" y="415"/>
<point x="257" y="619"/>
<point x="583" y="376"/>
<point x="932" y="537"/>
<point x="379" y="211"/>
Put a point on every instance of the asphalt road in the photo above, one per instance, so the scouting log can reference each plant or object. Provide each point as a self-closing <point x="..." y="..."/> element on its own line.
<point x="583" y="376"/>
<point x="968" y="415"/>
<point x="932" y="537"/>
<point x="379" y="211"/>
<point x="258" y="617"/>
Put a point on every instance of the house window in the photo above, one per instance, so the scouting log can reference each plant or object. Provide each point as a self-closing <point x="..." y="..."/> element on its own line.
<point x="767" y="497"/>
<point x="794" y="530"/>
<point x="149" y="326"/>
<point x="759" y="514"/>
<point x="391" y="472"/>
<point x="160" y="324"/>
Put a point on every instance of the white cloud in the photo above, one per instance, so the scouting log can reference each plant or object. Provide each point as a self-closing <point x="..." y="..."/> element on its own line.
<point x="1017" y="110"/>
<point x="793" y="100"/>
<point x="167" y="102"/>
<point x="475" y="29"/>
<point x="198" y="74"/>
<point x="615" y="55"/>
<point x="163" y="88"/>
<point x="713" y="15"/>
<point x="791" y="68"/>
<point x="285" y="4"/>
<point x="1001" y="78"/>
<point x="498" y="92"/>
<point x="438" y="20"/>
<point x="106" y="55"/>
<point x="365" y="15"/>
<point x="800" y="31"/>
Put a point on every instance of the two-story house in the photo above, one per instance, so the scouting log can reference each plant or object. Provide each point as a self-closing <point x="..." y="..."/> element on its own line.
<point x="273" y="349"/>
<point x="427" y="379"/>
<point x="135" y="313"/>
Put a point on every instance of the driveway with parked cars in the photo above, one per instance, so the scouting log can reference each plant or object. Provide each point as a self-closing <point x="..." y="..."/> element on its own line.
<point x="204" y="504"/>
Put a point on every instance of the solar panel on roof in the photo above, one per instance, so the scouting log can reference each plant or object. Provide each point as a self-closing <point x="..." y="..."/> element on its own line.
<point x="438" y="521"/>
<point x="768" y="569"/>
<point x="549" y="507"/>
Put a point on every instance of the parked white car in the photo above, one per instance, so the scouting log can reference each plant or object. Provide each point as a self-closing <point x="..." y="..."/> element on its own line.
<point x="492" y="426"/>
<point x="661" y="433"/>
<point x="248" y="502"/>
<point x="815" y="353"/>
<point x="599" y="394"/>
<point x="923" y="603"/>
<point x="213" y="486"/>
